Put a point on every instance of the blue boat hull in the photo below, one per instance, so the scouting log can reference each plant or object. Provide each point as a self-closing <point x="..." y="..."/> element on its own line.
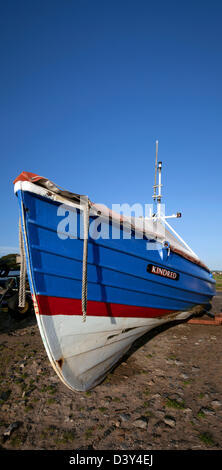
<point x="117" y="269"/>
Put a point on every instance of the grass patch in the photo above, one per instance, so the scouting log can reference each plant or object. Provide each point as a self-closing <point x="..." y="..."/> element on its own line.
<point x="187" y="382"/>
<point x="88" y="433"/>
<point x="146" y="404"/>
<point x="175" y="404"/>
<point x="172" y="357"/>
<point x="108" y="378"/>
<point x="68" y="436"/>
<point x="48" y="388"/>
<point x="201" y="414"/>
<point x="51" y="401"/>
<point x="51" y="389"/>
<point x="207" y="439"/>
<point x="218" y="279"/>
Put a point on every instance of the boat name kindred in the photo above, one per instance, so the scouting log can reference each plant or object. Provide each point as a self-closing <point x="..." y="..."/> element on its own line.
<point x="151" y="268"/>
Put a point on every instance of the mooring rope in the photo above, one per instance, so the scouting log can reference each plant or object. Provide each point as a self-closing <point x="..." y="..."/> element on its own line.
<point x="22" y="280"/>
<point x="84" y="261"/>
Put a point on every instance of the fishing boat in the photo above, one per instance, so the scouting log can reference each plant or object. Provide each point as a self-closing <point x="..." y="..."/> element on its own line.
<point x="101" y="279"/>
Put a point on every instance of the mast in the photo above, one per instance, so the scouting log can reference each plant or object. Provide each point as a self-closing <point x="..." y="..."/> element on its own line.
<point x="157" y="199"/>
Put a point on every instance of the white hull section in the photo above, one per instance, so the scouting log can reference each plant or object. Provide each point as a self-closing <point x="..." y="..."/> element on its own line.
<point x="83" y="353"/>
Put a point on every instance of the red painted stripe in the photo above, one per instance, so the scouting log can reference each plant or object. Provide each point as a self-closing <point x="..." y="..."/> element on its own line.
<point x="64" y="306"/>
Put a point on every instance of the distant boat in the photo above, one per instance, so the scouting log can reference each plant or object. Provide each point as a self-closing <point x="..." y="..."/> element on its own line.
<point x="93" y="297"/>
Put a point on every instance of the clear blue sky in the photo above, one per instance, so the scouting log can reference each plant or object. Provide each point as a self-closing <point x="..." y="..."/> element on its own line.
<point x="87" y="86"/>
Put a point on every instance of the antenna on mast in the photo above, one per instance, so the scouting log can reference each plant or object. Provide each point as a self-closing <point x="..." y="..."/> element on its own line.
<point x="157" y="197"/>
<point x="155" y="185"/>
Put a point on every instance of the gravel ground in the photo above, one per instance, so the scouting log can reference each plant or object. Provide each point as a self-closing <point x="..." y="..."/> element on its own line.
<point x="166" y="393"/>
